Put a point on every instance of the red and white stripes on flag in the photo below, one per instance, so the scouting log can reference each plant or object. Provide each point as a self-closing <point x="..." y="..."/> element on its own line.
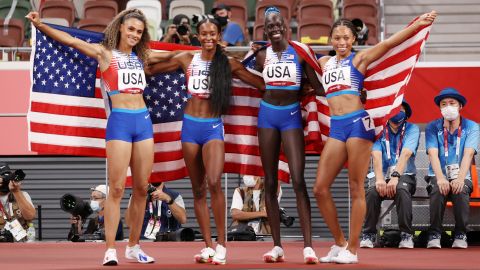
<point x="385" y="83"/>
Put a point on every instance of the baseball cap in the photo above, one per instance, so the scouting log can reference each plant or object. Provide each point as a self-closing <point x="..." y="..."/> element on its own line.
<point x="100" y="188"/>
<point x="220" y="6"/>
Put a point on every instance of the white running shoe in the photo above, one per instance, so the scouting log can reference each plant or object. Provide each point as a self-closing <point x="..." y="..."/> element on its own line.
<point x="460" y="241"/>
<point x="368" y="240"/>
<point x="110" y="257"/>
<point x="434" y="240"/>
<point x="345" y="257"/>
<point x="220" y="256"/>
<point x="205" y="255"/>
<point x="309" y="256"/>
<point x="136" y="253"/>
<point x="334" y="250"/>
<point x="407" y="240"/>
<point x="274" y="255"/>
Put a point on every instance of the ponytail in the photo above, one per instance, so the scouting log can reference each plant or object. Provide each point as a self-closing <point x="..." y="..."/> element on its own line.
<point x="220" y="82"/>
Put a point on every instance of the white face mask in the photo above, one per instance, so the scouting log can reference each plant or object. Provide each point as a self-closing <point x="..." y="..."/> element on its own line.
<point x="450" y="112"/>
<point x="249" y="180"/>
<point x="95" y="205"/>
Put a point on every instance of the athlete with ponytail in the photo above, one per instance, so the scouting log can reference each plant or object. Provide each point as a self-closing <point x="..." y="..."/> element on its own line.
<point x="352" y="130"/>
<point x="209" y="75"/>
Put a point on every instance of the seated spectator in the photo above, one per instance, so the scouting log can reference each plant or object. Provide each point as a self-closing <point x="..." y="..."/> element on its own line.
<point x="394" y="171"/>
<point x="164" y="212"/>
<point x="451" y="143"/>
<point x="16" y="207"/>
<point x="180" y="32"/>
<point x="95" y="229"/>
<point x="248" y="204"/>
<point x="232" y="33"/>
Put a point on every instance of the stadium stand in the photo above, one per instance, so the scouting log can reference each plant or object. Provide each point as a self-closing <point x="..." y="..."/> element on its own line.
<point x="58" y="9"/>
<point x="187" y="7"/>
<point x="93" y="24"/>
<point x="106" y="9"/>
<point x="153" y="12"/>
<point x="315" y="9"/>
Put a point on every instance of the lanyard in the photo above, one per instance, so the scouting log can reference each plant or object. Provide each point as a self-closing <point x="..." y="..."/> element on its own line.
<point x="151" y="208"/>
<point x="399" y="145"/>
<point x="445" y="142"/>
<point x="4" y="212"/>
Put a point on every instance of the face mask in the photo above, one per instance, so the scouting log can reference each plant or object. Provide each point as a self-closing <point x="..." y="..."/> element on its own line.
<point x="95" y="205"/>
<point x="398" y="118"/>
<point x="222" y="20"/>
<point x="450" y="112"/>
<point x="249" y="181"/>
<point x="4" y="188"/>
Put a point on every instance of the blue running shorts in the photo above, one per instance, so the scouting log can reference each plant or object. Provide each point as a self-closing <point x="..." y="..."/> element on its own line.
<point x="280" y="117"/>
<point x="129" y="125"/>
<point x="357" y="124"/>
<point x="201" y="130"/>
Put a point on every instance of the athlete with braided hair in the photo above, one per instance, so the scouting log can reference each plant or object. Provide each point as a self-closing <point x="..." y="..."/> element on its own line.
<point x="209" y="75"/>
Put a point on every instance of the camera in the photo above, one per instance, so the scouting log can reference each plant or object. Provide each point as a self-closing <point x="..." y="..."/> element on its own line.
<point x="15" y="176"/>
<point x="75" y="206"/>
<point x="9" y="175"/>
<point x="150" y="189"/>
<point x="182" y="29"/>
<point x="180" y="235"/>
<point x="6" y="236"/>
<point x="362" y="31"/>
<point x="286" y="219"/>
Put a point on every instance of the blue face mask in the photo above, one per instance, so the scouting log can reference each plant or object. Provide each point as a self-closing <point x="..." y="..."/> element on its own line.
<point x="398" y="118"/>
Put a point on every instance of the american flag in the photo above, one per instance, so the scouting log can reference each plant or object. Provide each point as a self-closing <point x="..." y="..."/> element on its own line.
<point x="385" y="82"/>
<point x="67" y="113"/>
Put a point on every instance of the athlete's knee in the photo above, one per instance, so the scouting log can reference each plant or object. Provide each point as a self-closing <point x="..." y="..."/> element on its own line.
<point x="140" y="190"/>
<point x="321" y="191"/>
<point x="357" y="189"/>
<point x="299" y="185"/>
<point x="116" y="192"/>
<point x="199" y="193"/>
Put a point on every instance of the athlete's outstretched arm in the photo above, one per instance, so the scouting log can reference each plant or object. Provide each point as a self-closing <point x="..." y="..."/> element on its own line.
<point x="96" y="51"/>
<point x="372" y="54"/>
<point x="243" y="74"/>
<point x="170" y="63"/>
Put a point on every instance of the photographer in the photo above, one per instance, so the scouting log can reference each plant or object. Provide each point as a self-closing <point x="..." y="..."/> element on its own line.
<point x="164" y="212"/>
<point x="95" y="229"/>
<point x="16" y="207"/>
<point x="232" y="33"/>
<point x="248" y="204"/>
<point x="180" y="32"/>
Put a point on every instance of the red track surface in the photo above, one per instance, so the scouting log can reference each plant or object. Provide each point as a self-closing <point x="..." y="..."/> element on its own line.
<point x="241" y="255"/>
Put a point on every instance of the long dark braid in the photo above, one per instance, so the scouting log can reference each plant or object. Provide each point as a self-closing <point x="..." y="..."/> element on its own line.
<point x="220" y="77"/>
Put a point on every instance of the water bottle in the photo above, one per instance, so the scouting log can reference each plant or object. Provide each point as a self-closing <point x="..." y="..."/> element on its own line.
<point x="30" y="233"/>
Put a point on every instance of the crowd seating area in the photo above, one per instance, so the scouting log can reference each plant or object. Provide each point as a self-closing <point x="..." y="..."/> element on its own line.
<point x="309" y="20"/>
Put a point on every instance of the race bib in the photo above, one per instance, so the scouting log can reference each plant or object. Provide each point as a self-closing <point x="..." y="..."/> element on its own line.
<point x="452" y="171"/>
<point x="368" y="123"/>
<point x="16" y="229"/>
<point x="336" y="79"/>
<point x="152" y="229"/>
<point x="131" y="78"/>
<point x="280" y="74"/>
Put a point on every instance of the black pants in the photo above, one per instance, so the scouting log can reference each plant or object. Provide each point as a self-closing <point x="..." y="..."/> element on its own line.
<point x="461" y="206"/>
<point x="406" y="187"/>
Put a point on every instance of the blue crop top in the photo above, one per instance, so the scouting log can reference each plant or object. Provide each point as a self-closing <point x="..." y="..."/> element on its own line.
<point x="342" y="77"/>
<point x="284" y="73"/>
